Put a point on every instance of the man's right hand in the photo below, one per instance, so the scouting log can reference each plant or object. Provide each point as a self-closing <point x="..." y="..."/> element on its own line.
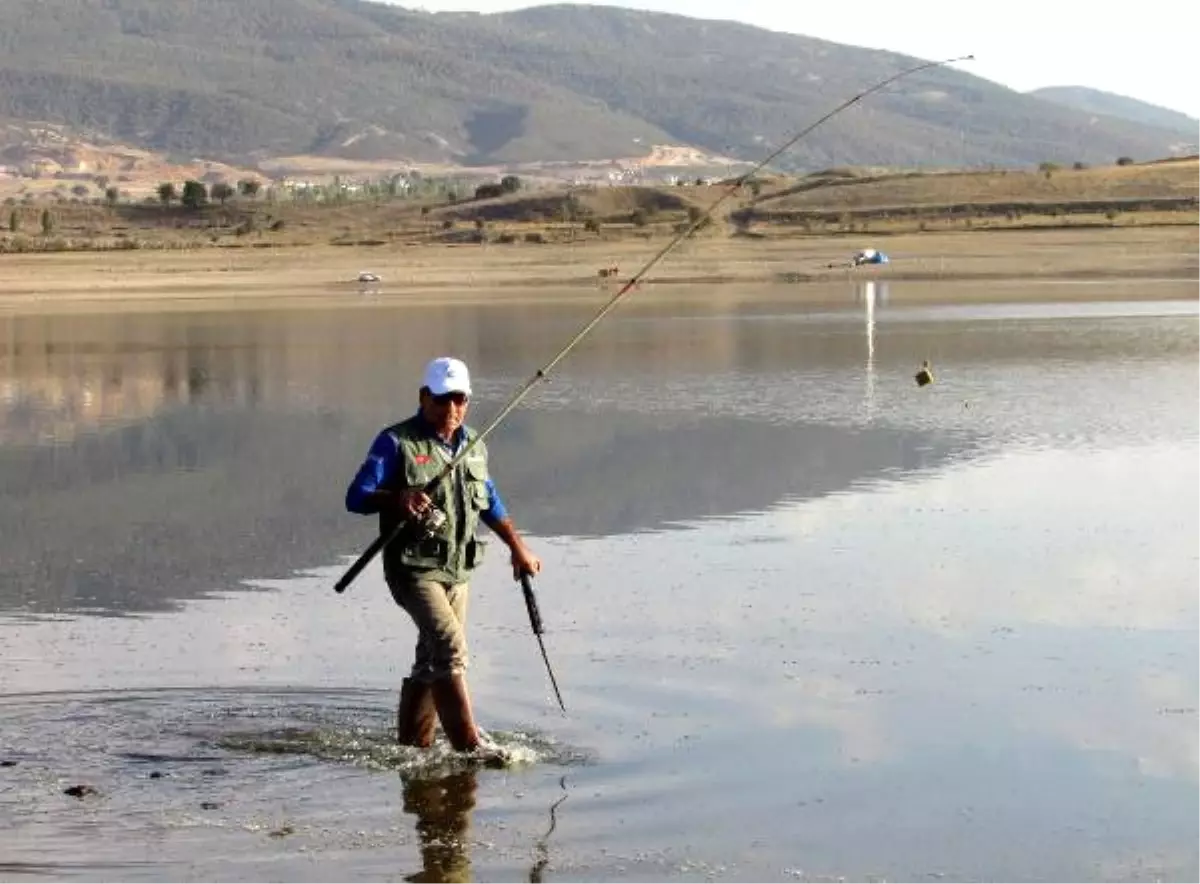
<point x="410" y="502"/>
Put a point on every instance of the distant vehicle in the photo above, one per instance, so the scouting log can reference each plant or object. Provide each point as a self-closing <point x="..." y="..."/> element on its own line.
<point x="869" y="256"/>
<point x="367" y="276"/>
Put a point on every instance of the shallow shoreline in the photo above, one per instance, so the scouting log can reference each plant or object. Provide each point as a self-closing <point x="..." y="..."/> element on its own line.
<point x="227" y="278"/>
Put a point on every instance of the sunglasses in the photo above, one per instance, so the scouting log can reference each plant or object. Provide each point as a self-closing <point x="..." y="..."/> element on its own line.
<point x="456" y="397"/>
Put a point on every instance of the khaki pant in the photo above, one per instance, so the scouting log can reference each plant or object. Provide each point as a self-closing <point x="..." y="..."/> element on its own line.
<point x="439" y="611"/>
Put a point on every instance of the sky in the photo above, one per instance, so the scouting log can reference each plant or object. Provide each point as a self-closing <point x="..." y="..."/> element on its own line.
<point x="1145" y="50"/>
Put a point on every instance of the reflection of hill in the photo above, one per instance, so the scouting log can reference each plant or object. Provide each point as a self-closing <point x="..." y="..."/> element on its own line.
<point x="597" y="474"/>
<point x="189" y="501"/>
<point x="195" y="499"/>
<point x="63" y="378"/>
<point x="60" y="376"/>
<point x="218" y="447"/>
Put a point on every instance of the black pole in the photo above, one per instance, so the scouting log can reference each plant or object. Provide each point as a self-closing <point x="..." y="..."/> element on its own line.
<point x="535" y="621"/>
<point x="369" y="553"/>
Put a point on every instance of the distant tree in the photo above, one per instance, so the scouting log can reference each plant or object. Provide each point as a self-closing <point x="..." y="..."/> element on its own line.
<point x="568" y="211"/>
<point x="488" y="191"/>
<point x="166" y="193"/>
<point x="1048" y="169"/>
<point x="47" y="222"/>
<point x="249" y="187"/>
<point x="112" y="194"/>
<point x="591" y="225"/>
<point x="101" y="181"/>
<point x="194" y="194"/>
<point x="1124" y="161"/>
<point x="14" y="221"/>
<point x="639" y="217"/>
<point x="396" y="185"/>
<point x="221" y="191"/>
<point x="510" y="184"/>
<point x="1079" y="167"/>
<point x="81" y="190"/>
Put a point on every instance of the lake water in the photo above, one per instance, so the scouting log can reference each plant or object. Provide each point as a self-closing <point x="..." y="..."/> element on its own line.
<point x="811" y="621"/>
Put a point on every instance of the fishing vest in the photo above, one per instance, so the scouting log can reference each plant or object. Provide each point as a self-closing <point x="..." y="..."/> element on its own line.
<point x="451" y="554"/>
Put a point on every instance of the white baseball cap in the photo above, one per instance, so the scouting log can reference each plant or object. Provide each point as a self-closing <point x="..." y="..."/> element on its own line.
<point x="447" y="375"/>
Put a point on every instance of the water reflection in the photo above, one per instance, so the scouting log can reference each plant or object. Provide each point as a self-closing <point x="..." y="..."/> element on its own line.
<point x="443" y="807"/>
<point x="150" y="459"/>
<point x="869" y="293"/>
<point x="541" y="850"/>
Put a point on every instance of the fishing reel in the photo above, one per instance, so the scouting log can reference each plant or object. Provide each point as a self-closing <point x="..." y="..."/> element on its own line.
<point x="429" y="523"/>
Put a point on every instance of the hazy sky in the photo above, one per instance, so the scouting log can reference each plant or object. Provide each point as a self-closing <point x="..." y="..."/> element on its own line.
<point x="1145" y="50"/>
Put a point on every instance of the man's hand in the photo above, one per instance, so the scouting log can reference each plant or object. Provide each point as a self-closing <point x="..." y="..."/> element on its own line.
<point x="523" y="559"/>
<point x="410" y="502"/>
<point x="524" y="562"/>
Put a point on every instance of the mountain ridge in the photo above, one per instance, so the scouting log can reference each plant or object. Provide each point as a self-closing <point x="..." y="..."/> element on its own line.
<point x="1098" y="101"/>
<point x="357" y="80"/>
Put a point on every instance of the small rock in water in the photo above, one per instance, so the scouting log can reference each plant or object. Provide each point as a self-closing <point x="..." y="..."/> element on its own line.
<point x="81" y="791"/>
<point x="7" y="763"/>
<point x="924" y="375"/>
<point x="210" y="805"/>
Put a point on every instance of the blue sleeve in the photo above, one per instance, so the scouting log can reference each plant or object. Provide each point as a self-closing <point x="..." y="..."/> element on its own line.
<point x="496" y="509"/>
<point x="372" y="475"/>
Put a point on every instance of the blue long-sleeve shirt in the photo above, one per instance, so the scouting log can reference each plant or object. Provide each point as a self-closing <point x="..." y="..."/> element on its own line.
<point x="383" y="460"/>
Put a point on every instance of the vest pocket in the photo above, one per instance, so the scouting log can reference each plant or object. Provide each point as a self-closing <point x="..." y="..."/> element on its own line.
<point x="475" y="550"/>
<point x="477" y="474"/>
<point x="479" y="495"/>
<point x="429" y="553"/>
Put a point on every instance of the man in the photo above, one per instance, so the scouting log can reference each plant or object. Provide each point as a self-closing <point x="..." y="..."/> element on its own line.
<point x="427" y="574"/>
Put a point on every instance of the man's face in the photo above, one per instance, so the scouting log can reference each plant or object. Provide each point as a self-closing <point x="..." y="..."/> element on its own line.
<point x="444" y="413"/>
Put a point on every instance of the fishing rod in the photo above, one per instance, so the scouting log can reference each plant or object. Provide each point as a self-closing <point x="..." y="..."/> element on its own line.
<point x="542" y="373"/>
<point x="404" y="527"/>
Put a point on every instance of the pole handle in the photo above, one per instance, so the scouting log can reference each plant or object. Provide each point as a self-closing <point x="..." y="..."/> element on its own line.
<point x="531" y="605"/>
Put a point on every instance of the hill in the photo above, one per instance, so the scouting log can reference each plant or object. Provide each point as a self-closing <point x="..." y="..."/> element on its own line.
<point x="252" y="81"/>
<point x="44" y="159"/>
<point x="834" y="202"/>
<point x="1095" y="101"/>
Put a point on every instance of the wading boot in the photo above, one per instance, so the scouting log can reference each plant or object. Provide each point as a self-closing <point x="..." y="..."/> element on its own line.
<point x="454" y="709"/>
<point x="416" y="717"/>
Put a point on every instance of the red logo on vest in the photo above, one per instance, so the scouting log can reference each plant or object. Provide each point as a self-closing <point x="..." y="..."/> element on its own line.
<point x="421" y="458"/>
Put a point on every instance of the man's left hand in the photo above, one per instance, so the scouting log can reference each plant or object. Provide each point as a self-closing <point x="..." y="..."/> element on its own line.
<point x="524" y="562"/>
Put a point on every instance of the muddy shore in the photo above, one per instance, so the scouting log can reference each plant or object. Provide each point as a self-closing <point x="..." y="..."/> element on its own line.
<point x="228" y="277"/>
